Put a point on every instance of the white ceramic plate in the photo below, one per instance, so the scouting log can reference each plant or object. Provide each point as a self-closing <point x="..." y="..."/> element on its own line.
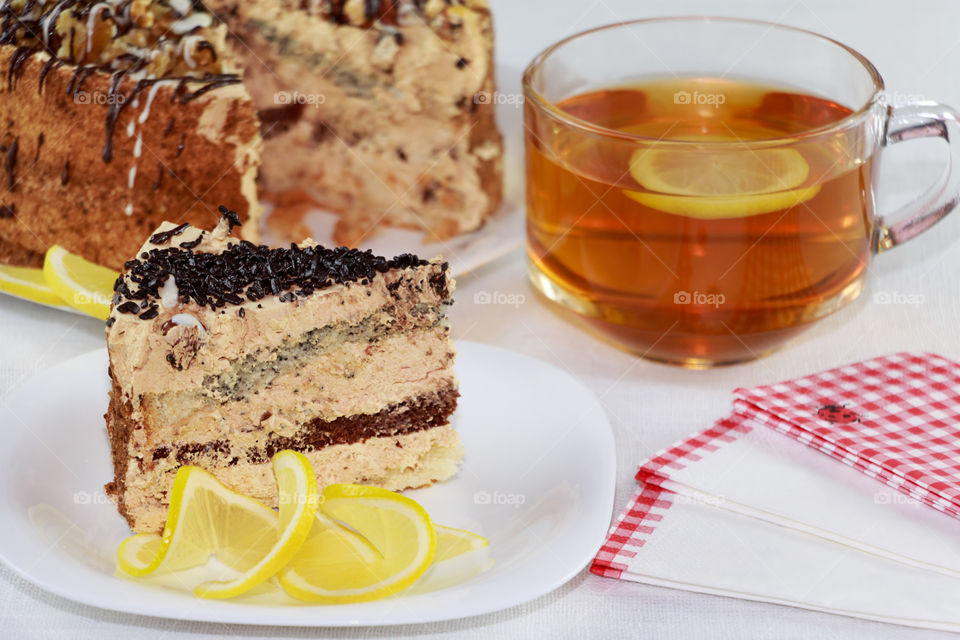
<point x="538" y="481"/>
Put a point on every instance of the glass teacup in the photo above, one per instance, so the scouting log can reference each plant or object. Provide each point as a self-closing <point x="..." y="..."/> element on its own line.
<point x="702" y="189"/>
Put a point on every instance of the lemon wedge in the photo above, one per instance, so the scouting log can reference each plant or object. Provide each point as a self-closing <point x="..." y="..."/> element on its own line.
<point x="208" y="519"/>
<point x="721" y="183"/>
<point x="333" y="567"/>
<point x="81" y="284"/>
<point x="28" y="283"/>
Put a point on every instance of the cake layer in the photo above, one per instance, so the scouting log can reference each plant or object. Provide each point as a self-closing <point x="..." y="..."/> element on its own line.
<point x="399" y="462"/>
<point x="412" y="414"/>
<point x="356" y="378"/>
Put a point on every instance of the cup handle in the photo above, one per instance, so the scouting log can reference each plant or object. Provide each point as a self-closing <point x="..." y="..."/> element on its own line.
<point x="923" y="120"/>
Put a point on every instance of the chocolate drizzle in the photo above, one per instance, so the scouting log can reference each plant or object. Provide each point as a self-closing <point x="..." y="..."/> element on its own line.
<point x="156" y="183"/>
<point x="80" y="75"/>
<point x="10" y="163"/>
<point x="209" y="82"/>
<point x="47" y="66"/>
<point x="33" y="28"/>
<point x="19" y="56"/>
<point x="112" y="114"/>
<point x="245" y="271"/>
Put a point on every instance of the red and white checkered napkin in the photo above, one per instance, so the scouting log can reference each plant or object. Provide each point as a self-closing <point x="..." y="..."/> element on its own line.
<point x="894" y="418"/>
<point x="739" y="510"/>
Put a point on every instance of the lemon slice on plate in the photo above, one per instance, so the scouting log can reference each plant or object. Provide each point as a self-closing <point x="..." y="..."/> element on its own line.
<point x="29" y="284"/>
<point x="722" y="183"/>
<point x="208" y="519"/>
<point x="461" y="555"/>
<point x="83" y="285"/>
<point x="331" y="568"/>
<point x="455" y="542"/>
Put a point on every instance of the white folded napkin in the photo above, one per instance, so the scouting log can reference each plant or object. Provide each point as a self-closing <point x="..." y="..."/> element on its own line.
<point x="759" y="473"/>
<point x="741" y="509"/>
<point x="697" y="547"/>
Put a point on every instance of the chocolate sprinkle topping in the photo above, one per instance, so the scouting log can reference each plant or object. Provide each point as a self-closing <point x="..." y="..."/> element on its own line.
<point x="150" y="313"/>
<point x="245" y="271"/>
<point x="192" y="244"/>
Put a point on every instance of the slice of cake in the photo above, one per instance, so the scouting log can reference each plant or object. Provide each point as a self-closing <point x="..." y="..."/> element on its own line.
<point x="223" y="352"/>
<point x="380" y="110"/>
<point x="116" y="116"/>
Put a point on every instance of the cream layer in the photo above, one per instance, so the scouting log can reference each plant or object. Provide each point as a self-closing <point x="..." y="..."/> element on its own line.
<point x="356" y="378"/>
<point x="396" y="463"/>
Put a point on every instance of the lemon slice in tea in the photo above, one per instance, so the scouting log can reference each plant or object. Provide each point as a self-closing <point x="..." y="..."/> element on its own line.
<point x="721" y="183"/>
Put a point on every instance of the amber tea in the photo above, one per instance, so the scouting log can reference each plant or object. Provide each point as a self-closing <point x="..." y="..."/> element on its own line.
<point x="681" y="234"/>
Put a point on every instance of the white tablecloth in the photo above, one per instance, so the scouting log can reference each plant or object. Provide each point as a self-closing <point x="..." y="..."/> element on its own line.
<point x="916" y="46"/>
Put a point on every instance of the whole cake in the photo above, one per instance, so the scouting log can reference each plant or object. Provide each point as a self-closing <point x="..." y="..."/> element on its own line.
<point x="120" y="114"/>
<point x="223" y="352"/>
<point x="381" y="110"/>
<point x="116" y="116"/>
